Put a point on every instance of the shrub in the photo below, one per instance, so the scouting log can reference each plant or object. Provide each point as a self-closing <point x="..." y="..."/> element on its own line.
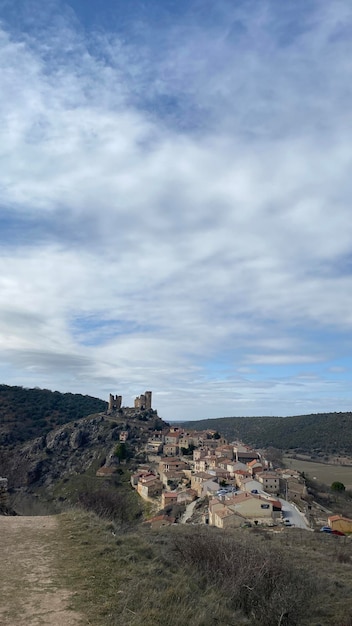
<point x="110" y="505"/>
<point x="262" y="583"/>
<point x="337" y="486"/>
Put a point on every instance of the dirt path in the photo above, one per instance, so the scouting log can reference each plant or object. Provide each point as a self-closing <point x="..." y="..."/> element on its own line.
<point x="29" y="591"/>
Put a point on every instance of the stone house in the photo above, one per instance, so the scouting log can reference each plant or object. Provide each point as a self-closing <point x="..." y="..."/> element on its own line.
<point x="240" y="476"/>
<point x="212" y="461"/>
<point x="168" y="497"/>
<point x="199" y="453"/>
<point x="201" y="465"/>
<point x="172" y="438"/>
<point x="170" y="449"/>
<point x="270" y="481"/>
<point x="172" y="464"/>
<point x="251" y="485"/>
<point x="224" y="451"/>
<point x="223" y="517"/>
<point x="187" y="496"/>
<point x="220" y="473"/>
<point x="341" y="523"/>
<point x="234" y="466"/>
<point x="210" y="487"/>
<point x="154" y="446"/>
<point x="197" y="481"/>
<point x="143" y="471"/>
<point x="246" y="505"/>
<point x="158" y="435"/>
<point x="254" y="467"/>
<point x="173" y="477"/>
<point x="149" y="486"/>
<point x="245" y="454"/>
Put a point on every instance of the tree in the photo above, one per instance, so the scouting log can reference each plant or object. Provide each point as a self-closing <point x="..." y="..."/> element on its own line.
<point x="337" y="486"/>
<point x="274" y="455"/>
<point x="121" y="451"/>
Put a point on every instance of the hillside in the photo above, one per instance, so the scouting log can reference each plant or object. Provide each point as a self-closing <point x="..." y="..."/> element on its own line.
<point x="75" y="448"/>
<point x="328" y="433"/>
<point x="29" y="413"/>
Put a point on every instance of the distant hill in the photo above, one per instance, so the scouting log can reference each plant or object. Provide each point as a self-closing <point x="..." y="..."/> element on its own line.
<point x="329" y="433"/>
<point x="29" y="413"/>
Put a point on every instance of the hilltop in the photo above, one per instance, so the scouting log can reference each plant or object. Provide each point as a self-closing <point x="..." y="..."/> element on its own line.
<point x="325" y="433"/>
<point x="29" y="413"/>
<point x="75" y="448"/>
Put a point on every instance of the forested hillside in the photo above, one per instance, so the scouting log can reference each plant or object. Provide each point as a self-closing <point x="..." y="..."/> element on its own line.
<point x="28" y="413"/>
<point x="323" y="432"/>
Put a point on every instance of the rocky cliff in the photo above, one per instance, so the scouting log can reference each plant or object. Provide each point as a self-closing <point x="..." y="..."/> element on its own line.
<point x="75" y="447"/>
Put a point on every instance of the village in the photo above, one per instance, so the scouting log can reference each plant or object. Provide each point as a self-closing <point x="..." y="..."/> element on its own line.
<point x="198" y="477"/>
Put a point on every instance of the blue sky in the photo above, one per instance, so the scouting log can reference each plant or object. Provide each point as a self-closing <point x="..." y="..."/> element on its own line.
<point x="175" y="203"/>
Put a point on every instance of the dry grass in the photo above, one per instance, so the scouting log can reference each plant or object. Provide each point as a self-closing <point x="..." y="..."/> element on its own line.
<point x="134" y="578"/>
<point x="196" y="575"/>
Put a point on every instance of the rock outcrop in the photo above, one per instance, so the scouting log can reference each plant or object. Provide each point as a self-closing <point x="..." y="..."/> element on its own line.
<point x="75" y="447"/>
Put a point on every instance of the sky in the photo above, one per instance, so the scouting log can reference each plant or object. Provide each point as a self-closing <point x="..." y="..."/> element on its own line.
<point x="175" y="191"/>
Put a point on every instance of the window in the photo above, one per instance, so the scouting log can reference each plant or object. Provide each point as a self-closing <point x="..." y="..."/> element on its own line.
<point x="264" y="506"/>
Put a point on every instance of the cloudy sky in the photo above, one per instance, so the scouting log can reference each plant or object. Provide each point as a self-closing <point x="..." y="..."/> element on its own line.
<point x="175" y="202"/>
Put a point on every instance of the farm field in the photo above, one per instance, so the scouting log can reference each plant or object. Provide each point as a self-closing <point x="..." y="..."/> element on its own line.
<point x="323" y="473"/>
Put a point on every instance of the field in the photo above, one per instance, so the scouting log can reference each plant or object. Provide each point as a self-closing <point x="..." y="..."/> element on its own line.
<point x="321" y="472"/>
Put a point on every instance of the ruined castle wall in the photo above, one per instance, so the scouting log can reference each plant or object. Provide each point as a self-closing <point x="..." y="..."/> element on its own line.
<point x="148" y="400"/>
<point x="142" y="402"/>
<point x="115" y="402"/>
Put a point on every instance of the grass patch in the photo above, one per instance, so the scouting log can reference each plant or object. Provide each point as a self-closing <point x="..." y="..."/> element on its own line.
<point x="203" y="576"/>
<point x="134" y="578"/>
<point x="322" y="472"/>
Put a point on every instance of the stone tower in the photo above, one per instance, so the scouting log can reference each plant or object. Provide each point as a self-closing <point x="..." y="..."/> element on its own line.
<point x="114" y="402"/>
<point x="148" y="400"/>
<point x="144" y="401"/>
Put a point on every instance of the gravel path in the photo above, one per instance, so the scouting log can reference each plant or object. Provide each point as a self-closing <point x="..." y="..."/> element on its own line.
<point x="29" y="592"/>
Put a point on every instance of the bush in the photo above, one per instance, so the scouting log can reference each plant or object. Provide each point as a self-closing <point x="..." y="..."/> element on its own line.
<point x="111" y="505"/>
<point x="263" y="584"/>
<point x="337" y="486"/>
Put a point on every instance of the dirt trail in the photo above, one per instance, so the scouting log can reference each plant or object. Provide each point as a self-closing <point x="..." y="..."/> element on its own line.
<point x="29" y="592"/>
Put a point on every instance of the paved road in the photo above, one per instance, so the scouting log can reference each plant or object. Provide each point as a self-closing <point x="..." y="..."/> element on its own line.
<point x="188" y="512"/>
<point x="290" y="512"/>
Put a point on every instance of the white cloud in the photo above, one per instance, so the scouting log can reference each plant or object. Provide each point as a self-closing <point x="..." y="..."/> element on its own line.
<point x="219" y="238"/>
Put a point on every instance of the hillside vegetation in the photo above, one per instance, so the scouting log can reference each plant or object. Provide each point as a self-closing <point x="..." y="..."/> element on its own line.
<point x="200" y="575"/>
<point x="328" y="433"/>
<point x="29" y="413"/>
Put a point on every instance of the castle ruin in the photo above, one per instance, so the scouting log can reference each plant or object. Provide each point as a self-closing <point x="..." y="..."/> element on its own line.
<point x="142" y="402"/>
<point x="114" y="402"/>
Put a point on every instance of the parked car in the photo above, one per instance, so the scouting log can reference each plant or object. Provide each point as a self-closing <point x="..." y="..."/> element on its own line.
<point x="287" y="522"/>
<point x="338" y="532"/>
<point x="326" y="529"/>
